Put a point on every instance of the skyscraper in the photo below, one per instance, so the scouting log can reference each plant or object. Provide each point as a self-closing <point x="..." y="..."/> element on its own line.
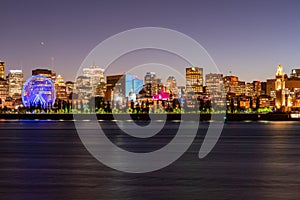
<point x="2" y="69"/>
<point x="15" y="83"/>
<point x="96" y="76"/>
<point x="280" y="88"/>
<point x="194" y="80"/>
<point x="3" y="91"/>
<point x="60" y="88"/>
<point x="233" y="85"/>
<point x="214" y="83"/>
<point x="83" y="88"/>
<point x="150" y="83"/>
<point x="171" y="86"/>
<point x="45" y="72"/>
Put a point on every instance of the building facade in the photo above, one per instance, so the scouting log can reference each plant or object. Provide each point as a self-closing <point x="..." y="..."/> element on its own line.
<point x="2" y="69"/>
<point x="214" y="83"/>
<point x="45" y="72"/>
<point x="233" y="85"/>
<point x="15" y="83"/>
<point x="194" y="80"/>
<point x="120" y="87"/>
<point x="171" y="86"/>
<point x="60" y="88"/>
<point x="3" y="91"/>
<point x="96" y="76"/>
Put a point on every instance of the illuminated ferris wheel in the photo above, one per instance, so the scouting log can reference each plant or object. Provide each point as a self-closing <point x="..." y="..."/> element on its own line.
<point x="38" y="91"/>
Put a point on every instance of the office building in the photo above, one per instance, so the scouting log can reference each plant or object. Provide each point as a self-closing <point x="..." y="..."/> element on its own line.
<point x="15" y="83"/>
<point x="194" y="80"/>
<point x="120" y="87"/>
<point x="233" y="85"/>
<point x="60" y="88"/>
<point x="45" y="72"/>
<point x="171" y="87"/>
<point x="96" y="75"/>
<point x="2" y="69"/>
<point x="214" y="83"/>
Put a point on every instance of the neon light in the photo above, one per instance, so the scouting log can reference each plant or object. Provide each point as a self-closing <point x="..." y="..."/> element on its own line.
<point x="38" y="91"/>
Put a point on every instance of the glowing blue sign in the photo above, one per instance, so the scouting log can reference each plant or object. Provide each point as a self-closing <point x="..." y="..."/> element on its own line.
<point x="38" y="91"/>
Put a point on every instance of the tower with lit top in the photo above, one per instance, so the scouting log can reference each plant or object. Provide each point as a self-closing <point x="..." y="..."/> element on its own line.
<point x="280" y="88"/>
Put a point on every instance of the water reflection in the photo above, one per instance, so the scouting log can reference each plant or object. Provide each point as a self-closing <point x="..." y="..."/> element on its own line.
<point x="252" y="160"/>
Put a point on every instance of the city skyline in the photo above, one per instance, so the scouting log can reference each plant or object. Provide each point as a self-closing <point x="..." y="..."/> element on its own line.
<point x="247" y="38"/>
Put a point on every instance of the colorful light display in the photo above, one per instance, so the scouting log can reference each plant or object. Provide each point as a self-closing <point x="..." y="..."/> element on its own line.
<point x="38" y="91"/>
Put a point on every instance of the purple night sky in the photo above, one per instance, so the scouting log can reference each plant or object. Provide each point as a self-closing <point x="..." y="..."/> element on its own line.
<point x="246" y="37"/>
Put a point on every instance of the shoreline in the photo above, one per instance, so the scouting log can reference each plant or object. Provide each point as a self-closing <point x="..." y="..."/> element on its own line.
<point x="169" y="117"/>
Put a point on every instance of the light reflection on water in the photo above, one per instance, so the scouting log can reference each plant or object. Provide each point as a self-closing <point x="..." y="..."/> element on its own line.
<point x="252" y="160"/>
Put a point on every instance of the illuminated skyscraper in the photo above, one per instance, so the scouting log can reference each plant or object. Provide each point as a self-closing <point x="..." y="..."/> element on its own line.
<point x="150" y="84"/>
<point x="2" y="69"/>
<point x="83" y="87"/>
<point x="233" y="85"/>
<point x="96" y="76"/>
<point x="15" y="83"/>
<point x="171" y="86"/>
<point x="214" y="83"/>
<point x="280" y="86"/>
<point x="60" y="88"/>
<point x="194" y="80"/>
<point x="45" y="72"/>
<point x="254" y="89"/>
<point x="3" y="91"/>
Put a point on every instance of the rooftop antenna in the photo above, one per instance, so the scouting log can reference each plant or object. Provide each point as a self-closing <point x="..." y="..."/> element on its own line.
<point x="52" y="63"/>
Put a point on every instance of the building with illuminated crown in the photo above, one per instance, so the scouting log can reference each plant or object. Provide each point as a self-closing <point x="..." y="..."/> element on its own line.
<point x="60" y="88"/>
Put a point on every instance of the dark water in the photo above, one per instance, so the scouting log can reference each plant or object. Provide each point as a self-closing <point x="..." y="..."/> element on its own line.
<point x="252" y="160"/>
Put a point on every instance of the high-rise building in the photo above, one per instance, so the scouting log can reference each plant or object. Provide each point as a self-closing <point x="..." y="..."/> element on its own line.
<point x="171" y="86"/>
<point x="60" y="88"/>
<point x="214" y="83"/>
<point x="263" y="87"/>
<point x="233" y="85"/>
<point x="281" y="77"/>
<point x="69" y="88"/>
<point x="249" y="89"/>
<point x="271" y="90"/>
<point x="254" y="89"/>
<point x="3" y="90"/>
<point x="96" y="75"/>
<point x="150" y="84"/>
<point x="194" y="79"/>
<point x="45" y="72"/>
<point x="122" y="86"/>
<point x="83" y="88"/>
<point x="15" y="83"/>
<point x="2" y="69"/>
